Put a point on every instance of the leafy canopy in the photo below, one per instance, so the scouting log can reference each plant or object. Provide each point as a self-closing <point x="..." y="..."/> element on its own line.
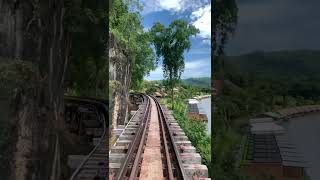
<point x="125" y="24"/>
<point x="170" y="43"/>
<point x="85" y="21"/>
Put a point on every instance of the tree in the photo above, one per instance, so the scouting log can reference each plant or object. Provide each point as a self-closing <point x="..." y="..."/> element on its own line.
<point x="87" y="71"/>
<point x="170" y="43"/>
<point x="125" y="24"/>
<point x="224" y="20"/>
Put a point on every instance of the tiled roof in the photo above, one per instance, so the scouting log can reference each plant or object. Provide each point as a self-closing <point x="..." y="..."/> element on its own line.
<point x="265" y="126"/>
<point x="271" y="148"/>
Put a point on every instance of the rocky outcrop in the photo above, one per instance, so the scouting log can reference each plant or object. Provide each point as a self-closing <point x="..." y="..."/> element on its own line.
<point x="119" y="79"/>
<point x="33" y="31"/>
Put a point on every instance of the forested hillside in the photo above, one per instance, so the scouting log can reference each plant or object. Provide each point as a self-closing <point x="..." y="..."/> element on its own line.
<point x="202" y="82"/>
<point x="279" y="64"/>
<point x="130" y="56"/>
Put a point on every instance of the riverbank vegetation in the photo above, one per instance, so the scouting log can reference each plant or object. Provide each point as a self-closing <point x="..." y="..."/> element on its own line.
<point x="253" y="91"/>
<point x="195" y="130"/>
<point x="251" y="84"/>
<point x="186" y="90"/>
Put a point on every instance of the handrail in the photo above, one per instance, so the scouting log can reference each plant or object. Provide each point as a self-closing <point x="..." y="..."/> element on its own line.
<point x="75" y="173"/>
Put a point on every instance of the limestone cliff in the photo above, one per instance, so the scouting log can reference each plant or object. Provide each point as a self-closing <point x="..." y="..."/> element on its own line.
<point x="119" y="79"/>
<point x="33" y="40"/>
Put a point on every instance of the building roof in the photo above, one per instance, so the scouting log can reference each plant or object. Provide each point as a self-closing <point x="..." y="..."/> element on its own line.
<point x="157" y="94"/>
<point x="263" y="148"/>
<point x="289" y="154"/>
<point x="272" y="114"/>
<point x="265" y="126"/>
<point x="267" y="142"/>
<point x="260" y="120"/>
<point x="193" y="101"/>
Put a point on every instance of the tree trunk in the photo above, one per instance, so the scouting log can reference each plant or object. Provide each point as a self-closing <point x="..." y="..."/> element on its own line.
<point x="172" y="86"/>
<point x="39" y="38"/>
<point x="172" y="98"/>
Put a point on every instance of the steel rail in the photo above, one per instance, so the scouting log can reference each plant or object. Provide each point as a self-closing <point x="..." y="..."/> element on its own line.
<point x="176" y="152"/>
<point x="128" y="122"/>
<point x="124" y="167"/>
<point x="164" y="137"/>
<point x="133" y="173"/>
<point x="96" y="102"/>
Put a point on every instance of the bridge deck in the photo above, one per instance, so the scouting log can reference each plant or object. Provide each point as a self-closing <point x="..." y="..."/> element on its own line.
<point x="151" y="167"/>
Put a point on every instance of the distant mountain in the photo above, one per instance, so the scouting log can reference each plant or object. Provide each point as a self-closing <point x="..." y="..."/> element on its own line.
<point x="279" y="64"/>
<point x="202" y="82"/>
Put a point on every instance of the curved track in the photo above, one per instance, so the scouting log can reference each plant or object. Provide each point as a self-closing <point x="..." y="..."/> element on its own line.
<point x="151" y="146"/>
<point x="140" y="162"/>
<point x="94" y="165"/>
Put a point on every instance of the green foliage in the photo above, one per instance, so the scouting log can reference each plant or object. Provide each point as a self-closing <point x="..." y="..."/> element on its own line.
<point x="186" y="90"/>
<point x="170" y="43"/>
<point x="202" y="82"/>
<point x="85" y="21"/>
<point x="125" y="24"/>
<point x="268" y="86"/>
<point x="144" y="62"/>
<point x="224" y="20"/>
<point x="195" y="130"/>
<point x="275" y="65"/>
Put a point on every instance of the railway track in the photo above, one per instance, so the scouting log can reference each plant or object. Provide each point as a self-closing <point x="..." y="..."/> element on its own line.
<point x="153" y="146"/>
<point x="94" y="165"/>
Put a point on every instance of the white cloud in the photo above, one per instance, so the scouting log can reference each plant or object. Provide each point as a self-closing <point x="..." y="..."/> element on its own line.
<point x="146" y="28"/>
<point x="196" y="68"/>
<point x="156" y="74"/>
<point x="174" y="5"/>
<point x="202" y="20"/>
<point x="171" y="5"/>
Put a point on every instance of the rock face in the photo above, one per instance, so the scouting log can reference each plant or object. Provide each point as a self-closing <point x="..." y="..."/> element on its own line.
<point x="33" y="32"/>
<point x="119" y="79"/>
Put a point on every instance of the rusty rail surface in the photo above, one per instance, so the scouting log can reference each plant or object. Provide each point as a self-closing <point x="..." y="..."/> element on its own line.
<point x="175" y="154"/>
<point x="130" y="169"/>
<point x="136" y="145"/>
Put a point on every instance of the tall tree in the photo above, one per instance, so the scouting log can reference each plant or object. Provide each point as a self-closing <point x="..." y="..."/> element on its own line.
<point x="224" y="21"/>
<point x="87" y="72"/>
<point x="170" y="44"/>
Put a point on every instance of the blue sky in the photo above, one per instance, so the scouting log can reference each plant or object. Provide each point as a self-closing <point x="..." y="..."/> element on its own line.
<point x="198" y="13"/>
